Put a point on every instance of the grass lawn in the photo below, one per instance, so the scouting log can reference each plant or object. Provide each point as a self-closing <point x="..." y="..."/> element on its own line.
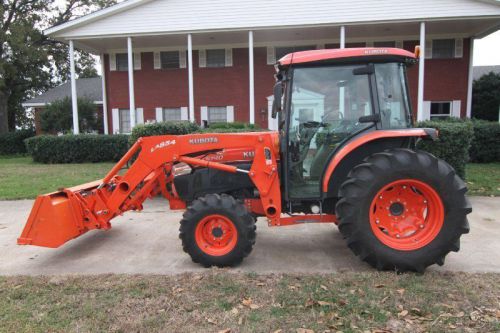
<point x="483" y="179"/>
<point x="220" y="301"/>
<point x="20" y="178"/>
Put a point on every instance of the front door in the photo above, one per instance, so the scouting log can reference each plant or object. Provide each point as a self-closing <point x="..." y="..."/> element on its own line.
<point x="325" y="106"/>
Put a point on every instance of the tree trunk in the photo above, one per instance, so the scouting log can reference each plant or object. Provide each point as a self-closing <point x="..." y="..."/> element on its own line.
<point x="4" y="114"/>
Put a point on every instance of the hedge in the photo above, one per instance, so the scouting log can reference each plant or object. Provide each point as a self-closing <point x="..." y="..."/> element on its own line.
<point x="163" y="128"/>
<point x="77" y="148"/>
<point x="12" y="143"/>
<point x="485" y="146"/>
<point x="454" y="141"/>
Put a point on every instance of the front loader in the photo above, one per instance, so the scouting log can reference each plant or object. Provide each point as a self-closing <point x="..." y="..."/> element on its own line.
<point x="345" y="153"/>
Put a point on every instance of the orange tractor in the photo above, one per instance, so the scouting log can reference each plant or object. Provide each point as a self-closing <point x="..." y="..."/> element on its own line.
<point x="345" y="153"/>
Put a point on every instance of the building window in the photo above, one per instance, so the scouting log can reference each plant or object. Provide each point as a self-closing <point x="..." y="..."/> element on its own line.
<point x="217" y="114"/>
<point x="170" y="59"/>
<point x="124" y="117"/>
<point x="283" y="51"/>
<point x="385" y="44"/>
<point x="443" y="48"/>
<point x="216" y="58"/>
<point x="172" y="114"/>
<point x="440" y="110"/>
<point x="122" y="62"/>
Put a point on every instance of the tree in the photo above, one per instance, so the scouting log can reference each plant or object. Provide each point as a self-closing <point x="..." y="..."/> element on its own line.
<point x="58" y="116"/>
<point x="486" y="97"/>
<point x="31" y="63"/>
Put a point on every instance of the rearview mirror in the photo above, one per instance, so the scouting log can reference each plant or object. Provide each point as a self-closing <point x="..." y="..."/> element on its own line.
<point x="278" y="94"/>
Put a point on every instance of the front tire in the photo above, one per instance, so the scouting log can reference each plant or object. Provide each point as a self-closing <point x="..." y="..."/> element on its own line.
<point x="403" y="210"/>
<point x="217" y="230"/>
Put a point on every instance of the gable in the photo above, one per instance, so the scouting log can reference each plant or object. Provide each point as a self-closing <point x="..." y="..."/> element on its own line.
<point x="175" y="16"/>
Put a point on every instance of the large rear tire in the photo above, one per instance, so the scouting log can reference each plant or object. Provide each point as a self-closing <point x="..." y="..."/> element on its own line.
<point x="217" y="230"/>
<point x="403" y="210"/>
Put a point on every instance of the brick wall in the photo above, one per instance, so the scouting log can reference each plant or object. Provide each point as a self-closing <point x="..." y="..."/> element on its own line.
<point x="445" y="79"/>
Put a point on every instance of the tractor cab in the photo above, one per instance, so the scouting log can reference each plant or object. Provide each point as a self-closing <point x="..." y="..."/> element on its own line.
<point x="325" y="98"/>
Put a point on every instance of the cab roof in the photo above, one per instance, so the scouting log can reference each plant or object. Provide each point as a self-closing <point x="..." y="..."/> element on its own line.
<point x="339" y="55"/>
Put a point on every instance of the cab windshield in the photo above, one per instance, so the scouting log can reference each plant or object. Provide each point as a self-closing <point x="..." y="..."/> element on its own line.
<point x="326" y="105"/>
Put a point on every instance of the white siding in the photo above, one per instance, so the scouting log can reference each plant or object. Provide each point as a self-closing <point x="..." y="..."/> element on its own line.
<point x="196" y="15"/>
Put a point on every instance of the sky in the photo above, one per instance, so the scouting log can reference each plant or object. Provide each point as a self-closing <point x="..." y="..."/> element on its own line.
<point x="487" y="50"/>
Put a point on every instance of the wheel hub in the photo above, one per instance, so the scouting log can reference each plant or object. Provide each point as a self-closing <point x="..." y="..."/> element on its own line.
<point x="406" y="214"/>
<point x="216" y="235"/>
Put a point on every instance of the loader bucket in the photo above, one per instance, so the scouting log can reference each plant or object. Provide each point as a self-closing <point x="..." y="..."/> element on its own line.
<point x="54" y="219"/>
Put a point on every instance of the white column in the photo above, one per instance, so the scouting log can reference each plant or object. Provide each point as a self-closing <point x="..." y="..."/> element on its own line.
<point x="342" y="37"/>
<point x="74" y="102"/>
<point x="342" y="89"/>
<point x="251" y="78"/>
<point x="104" y="96"/>
<point x="421" y="71"/>
<point x="190" y="78"/>
<point x="131" y="90"/>
<point x="471" y="76"/>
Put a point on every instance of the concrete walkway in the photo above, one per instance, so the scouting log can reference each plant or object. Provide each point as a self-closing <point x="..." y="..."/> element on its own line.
<point x="147" y="242"/>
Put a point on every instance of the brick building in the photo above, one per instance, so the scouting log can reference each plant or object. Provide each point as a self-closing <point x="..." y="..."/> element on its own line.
<point x="211" y="61"/>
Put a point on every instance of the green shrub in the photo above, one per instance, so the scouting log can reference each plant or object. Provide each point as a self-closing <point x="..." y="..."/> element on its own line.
<point x="455" y="138"/>
<point x="164" y="128"/>
<point x="233" y="125"/>
<point x="485" y="146"/>
<point x="58" y="116"/>
<point x="13" y="142"/>
<point x="77" y="148"/>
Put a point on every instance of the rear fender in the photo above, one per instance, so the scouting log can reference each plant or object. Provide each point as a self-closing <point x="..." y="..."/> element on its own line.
<point x="354" y="151"/>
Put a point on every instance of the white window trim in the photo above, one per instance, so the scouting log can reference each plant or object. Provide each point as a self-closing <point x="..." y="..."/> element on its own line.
<point x="184" y="113"/>
<point x="202" y="57"/>
<point x="443" y="115"/>
<point x="157" y="58"/>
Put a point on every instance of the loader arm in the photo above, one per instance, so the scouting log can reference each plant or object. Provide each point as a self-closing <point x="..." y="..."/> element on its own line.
<point x="61" y="216"/>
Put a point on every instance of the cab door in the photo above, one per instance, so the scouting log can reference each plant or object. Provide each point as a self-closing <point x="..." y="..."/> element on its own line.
<point x="325" y="106"/>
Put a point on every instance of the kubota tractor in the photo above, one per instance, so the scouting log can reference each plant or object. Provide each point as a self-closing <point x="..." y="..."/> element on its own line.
<point x="345" y="153"/>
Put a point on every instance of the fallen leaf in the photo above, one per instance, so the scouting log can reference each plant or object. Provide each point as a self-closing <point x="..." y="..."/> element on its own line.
<point x="304" y="330"/>
<point x="254" y="306"/>
<point x="246" y="301"/>
<point x="460" y="314"/>
<point x="261" y="284"/>
<point x="227" y="330"/>
<point x="323" y="303"/>
<point x="384" y="299"/>
<point x="403" y="313"/>
<point x="234" y="311"/>
<point x="323" y="287"/>
<point x="240" y="321"/>
<point x="401" y="291"/>
<point x="379" y="285"/>
<point x="278" y="331"/>
<point x="211" y="321"/>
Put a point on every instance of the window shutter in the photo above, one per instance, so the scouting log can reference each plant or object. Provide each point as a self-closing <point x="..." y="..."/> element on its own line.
<point x="182" y="59"/>
<point x="112" y="62"/>
<point x="426" y="111"/>
<point x="271" y="55"/>
<point x="369" y="44"/>
<point x="157" y="60"/>
<point x="204" y="114"/>
<point x="230" y="113"/>
<point x="115" y="118"/>
<point x="455" y="108"/>
<point x="459" y="48"/>
<point x="137" y="61"/>
<point x="159" y="115"/>
<point x="184" y="113"/>
<point x="428" y="49"/>
<point x="139" y="116"/>
<point x="229" y="57"/>
<point x="399" y="44"/>
<point x="202" y="58"/>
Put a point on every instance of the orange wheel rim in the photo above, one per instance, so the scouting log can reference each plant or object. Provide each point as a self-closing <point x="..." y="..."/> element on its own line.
<point x="406" y="214"/>
<point x="216" y="235"/>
